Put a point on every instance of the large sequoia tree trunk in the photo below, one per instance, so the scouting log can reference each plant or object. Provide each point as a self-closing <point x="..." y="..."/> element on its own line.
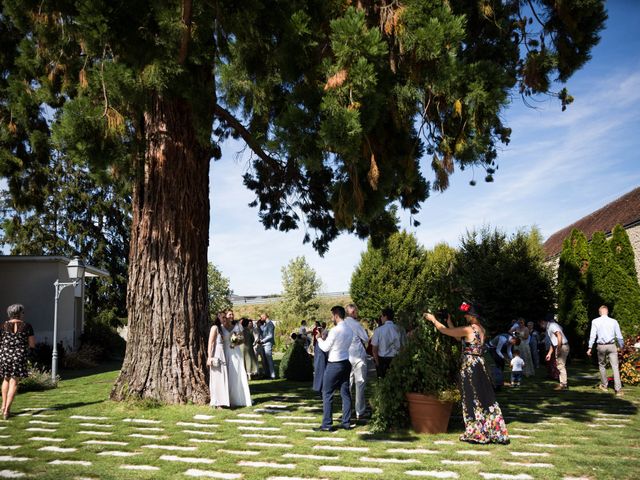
<point x="167" y="291"/>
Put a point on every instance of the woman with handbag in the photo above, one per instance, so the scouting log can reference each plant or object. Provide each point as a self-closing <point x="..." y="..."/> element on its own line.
<point x="216" y="360"/>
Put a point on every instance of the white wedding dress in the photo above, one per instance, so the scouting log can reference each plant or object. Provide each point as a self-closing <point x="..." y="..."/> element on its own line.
<point x="218" y="375"/>
<point x="239" y="395"/>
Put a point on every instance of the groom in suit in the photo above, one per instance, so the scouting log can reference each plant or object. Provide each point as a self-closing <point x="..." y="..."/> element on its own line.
<point x="268" y="340"/>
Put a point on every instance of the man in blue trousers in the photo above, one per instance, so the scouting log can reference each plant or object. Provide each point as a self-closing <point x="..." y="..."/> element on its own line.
<point x="337" y="371"/>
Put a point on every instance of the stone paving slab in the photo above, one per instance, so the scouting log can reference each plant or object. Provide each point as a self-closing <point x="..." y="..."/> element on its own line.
<point x="432" y="474"/>
<point x="342" y="469"/>
<point x="176" y="458"/>
<point x="194" y="472"/>
<point x="11" y="474"/>
<point x="149" y="468"/>
<point x="246" y="463"/>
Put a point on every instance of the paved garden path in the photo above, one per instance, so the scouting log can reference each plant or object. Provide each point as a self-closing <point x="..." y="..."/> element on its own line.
<point x="553" y="436"/>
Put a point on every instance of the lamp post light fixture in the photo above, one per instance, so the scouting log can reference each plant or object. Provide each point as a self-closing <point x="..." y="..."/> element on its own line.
<point x="75" y="270"/>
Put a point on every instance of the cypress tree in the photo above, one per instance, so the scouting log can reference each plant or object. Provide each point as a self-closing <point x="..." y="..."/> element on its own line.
<point x="390" y="276"/>
<point x="610" y="283"/>
<point x="623" y="283"/>
<point x="572" y="287"/>
<point x="600" y="273"/>
<point x="623" y="251"/>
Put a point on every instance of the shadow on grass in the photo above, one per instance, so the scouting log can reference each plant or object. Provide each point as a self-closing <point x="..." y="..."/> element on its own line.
<point x="536" y="400"/>
<point x="104" y="367"/>
<point x="66" y="406"/>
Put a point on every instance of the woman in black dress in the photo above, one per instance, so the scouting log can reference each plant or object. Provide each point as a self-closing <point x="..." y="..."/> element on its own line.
<point x="16" y="337"/>
<point x="483" y="418"/>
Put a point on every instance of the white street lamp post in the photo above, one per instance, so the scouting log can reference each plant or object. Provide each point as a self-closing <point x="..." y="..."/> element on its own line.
<point x="75" y="269"/>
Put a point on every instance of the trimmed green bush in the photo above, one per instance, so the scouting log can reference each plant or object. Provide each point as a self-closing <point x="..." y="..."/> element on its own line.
<point x="296" y="364"/>
<point x="428" y="364"/>
<point x="392" y="275"/>
<point x="505" y="276"/>
<point x="573" y="292"/>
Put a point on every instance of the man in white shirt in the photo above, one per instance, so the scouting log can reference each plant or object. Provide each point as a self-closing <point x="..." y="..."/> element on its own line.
<point x="605" y="331"/>
<point x="358" y="358"/>
<point x="336" y="373"/>
<point x="386" y="342"/>
<point x="558" y="344"/>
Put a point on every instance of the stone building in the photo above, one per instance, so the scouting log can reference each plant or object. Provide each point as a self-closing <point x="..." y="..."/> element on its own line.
<point x="624" y="211"/>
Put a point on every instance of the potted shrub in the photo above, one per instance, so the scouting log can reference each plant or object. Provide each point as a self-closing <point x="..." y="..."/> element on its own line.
<point x="420" y="386"/>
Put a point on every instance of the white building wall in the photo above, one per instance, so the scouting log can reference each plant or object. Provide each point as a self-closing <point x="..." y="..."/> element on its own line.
<point x="31" y="284"/>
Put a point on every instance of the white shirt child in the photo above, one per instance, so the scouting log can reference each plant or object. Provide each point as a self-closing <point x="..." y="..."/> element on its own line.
<point x="516" y="364"/>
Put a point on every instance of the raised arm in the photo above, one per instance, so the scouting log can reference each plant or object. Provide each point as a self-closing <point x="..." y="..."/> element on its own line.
<point x="325" y="344"/>
<point x="456" y="332"/>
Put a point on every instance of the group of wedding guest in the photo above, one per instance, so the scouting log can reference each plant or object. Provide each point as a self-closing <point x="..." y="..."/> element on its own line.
<point x="341" y="359"/>
<point x="237" y="352"/>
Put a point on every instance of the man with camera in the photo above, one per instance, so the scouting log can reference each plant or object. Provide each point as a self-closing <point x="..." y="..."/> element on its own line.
<point x="336" y="374"/>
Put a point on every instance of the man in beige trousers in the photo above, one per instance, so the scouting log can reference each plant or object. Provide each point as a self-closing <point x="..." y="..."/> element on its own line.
<point x="558" y="344"/>
<point x="605" y="332"/>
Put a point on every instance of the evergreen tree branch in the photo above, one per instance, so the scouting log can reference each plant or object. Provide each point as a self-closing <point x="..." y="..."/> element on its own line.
<point x="246" y="135"/>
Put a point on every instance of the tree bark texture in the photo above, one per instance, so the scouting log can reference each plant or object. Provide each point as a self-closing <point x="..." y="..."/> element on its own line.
<point x="167" y="291"/>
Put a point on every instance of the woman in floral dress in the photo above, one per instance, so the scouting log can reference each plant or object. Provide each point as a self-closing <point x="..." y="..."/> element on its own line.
<point x="483" y="418"/>
<point x="16" y="337"/>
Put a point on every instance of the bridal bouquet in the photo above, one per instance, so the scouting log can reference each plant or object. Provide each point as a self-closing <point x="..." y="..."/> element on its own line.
<point x="236" y="339"/>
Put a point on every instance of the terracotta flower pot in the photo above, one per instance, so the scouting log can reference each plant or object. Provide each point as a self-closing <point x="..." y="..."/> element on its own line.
<point x="428" y="414"/>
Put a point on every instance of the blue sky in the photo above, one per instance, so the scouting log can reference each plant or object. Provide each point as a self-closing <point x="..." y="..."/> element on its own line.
<point x="558" y="167"/>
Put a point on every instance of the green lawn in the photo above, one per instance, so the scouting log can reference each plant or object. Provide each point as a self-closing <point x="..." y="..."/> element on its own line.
<point x="579" y="433"/>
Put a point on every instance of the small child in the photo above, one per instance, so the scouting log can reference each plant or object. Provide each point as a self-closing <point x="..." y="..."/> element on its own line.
<point x="517" y="364"/>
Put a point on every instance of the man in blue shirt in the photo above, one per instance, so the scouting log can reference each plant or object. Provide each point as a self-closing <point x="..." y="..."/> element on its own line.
<point x="605" y="331"/>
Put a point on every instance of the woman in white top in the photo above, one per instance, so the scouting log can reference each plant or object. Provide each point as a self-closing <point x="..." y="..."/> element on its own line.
<point x="239" y="395"/>
<point x="217" y="362"/>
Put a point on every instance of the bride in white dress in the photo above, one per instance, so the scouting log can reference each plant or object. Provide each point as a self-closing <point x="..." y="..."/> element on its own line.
<point x="239" y="395"/>
<point x="217" y="361"/>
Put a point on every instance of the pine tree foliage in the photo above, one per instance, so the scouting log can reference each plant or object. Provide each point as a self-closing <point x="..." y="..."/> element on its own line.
<point x="573" y="293"/>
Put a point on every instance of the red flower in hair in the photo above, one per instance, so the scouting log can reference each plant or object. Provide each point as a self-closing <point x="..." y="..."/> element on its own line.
<point x="465" y="307"/>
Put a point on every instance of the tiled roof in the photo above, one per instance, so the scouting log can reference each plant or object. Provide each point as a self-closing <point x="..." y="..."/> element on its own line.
<point x="624" y="211"/>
